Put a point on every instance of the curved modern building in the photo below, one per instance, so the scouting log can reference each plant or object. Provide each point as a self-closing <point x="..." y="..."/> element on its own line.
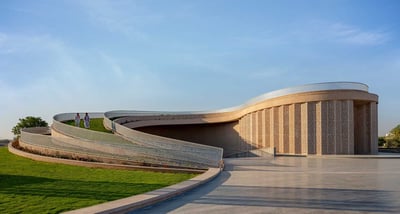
<point x="316" y="119"/>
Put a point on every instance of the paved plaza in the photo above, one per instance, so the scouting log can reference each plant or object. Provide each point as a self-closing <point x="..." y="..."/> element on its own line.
<point x="295" y="185"/>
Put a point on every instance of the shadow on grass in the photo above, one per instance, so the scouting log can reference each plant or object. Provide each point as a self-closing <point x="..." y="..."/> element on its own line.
<point x="39" y="186"/>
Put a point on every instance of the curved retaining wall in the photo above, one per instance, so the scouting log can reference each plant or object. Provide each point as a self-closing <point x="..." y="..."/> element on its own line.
<point x="172" y="153"/>
<point x="102" y="164"/>
<point x="178" y="149"/>
<point x="62" y="145"/>
<point x="323" y="118"/>
<point x="138" y="148"/>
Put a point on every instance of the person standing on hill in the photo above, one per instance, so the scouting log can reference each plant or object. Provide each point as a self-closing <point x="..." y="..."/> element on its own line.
<point x="86" y="120"/>
<point x="77" y="120"/>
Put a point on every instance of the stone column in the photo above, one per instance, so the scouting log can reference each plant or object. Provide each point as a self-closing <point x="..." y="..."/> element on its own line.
<point x="260" y="129"/>
<point x="338" y="128"/>
<point x="312" y="127"/>
<point x="281" y="127"/>
<point x="292" y="129"/>
<point x="350" y="111"/>
<point x="253" y="131"/>
<point x="305" y="120"/>
<point x="275" y="129"/>
<point x="263" y="128"/>
<point x="331" y="127"/>
<point x="241" y="142"/>
<point x="285" y="132"/>
<point x="248" y="128"/>
<point x="362" y="129"/>
<point x="272" y="128"/>
<point x="244" y="132"/>
<point x="374" y="128"/>
<point x="344" y="127"/>
<point x="321" y="125"/>
<point x="295" y="127"/>
<point x="267" y="137"/>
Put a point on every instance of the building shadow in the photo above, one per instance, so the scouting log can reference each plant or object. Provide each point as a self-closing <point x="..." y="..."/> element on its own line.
<point x="307" y="198"/>
<point x="47" y="187"/>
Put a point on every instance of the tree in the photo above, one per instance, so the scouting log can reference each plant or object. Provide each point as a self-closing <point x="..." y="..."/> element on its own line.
<point x="381" y="141"/>
<point x="392" y="140"/>
<point x="395" y="133"/>
<point x="28" y="122"/>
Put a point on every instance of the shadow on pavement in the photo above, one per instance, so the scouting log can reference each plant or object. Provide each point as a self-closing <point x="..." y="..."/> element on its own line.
<point x="308" y="198"/>
<point x="188" y="197"/>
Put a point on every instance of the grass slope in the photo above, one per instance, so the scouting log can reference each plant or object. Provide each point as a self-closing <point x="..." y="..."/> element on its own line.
<point x="96" y="124"/>
<point x="28" y="186"/>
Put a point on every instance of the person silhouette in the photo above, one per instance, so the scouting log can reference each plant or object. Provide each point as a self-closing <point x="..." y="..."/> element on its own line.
<point x="86" y="120"/>
<point x="77" y="120"/>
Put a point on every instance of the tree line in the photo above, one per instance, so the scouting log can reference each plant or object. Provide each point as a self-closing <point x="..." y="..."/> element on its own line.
<point x="392" y="139"/>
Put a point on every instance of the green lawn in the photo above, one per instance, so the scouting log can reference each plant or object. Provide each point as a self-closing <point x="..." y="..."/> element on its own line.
<point x="28" y="186"/>
<point x="96" y="124"/>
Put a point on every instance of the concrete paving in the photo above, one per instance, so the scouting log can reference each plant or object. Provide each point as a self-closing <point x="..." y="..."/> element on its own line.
<point x="295" y="185"/>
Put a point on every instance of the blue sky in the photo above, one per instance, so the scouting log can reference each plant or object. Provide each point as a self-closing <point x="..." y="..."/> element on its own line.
<point x="69" y="56"/>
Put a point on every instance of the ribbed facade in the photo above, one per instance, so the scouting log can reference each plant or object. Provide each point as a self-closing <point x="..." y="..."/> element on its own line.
<point x="323" y="127"/>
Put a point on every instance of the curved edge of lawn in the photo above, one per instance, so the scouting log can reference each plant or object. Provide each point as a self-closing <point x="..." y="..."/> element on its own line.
<point x="146" y="199"/>
<point x="29" y="185"/>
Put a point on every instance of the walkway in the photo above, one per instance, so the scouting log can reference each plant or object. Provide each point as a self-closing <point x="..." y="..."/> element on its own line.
<point x="295" y="185"/>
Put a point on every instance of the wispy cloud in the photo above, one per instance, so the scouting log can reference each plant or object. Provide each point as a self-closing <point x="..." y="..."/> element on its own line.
<point x="28" y="44"/>
<point x="354" y="35"/>
<point x="264" y="39"/>
<point x="39" y="74"/>
<point x="314" y="32"/>
<point x="114" y="65"/>
<point x="26" y="10"/>
<point x="37" y="63"/>
<point x="124" y="17"/>
<point x="3" y="42"/>
<point x="268" y="73"/>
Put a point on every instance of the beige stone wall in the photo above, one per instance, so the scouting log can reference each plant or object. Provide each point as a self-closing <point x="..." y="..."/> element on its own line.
<point x="310" y="123"/>
<point x="324" y="127"/>
<point x="320" y="128"/>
